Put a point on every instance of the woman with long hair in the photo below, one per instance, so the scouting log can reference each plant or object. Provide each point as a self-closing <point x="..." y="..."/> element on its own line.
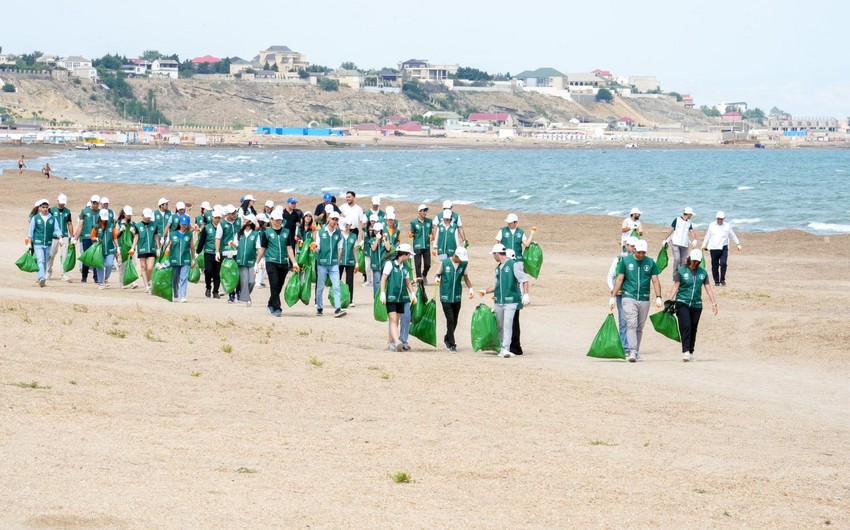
<point x="43" y="228"/>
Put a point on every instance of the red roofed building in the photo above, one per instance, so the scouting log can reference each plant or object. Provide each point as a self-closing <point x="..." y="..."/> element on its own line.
<point x="732" y="116"/>
<point x="625" y="123"/>
<point x="206" y="59"/>
<point x="366" y="127"/>
<point x="411" y="126"/>
<point x="603" y="73"/>
<point x="498" y="118"/>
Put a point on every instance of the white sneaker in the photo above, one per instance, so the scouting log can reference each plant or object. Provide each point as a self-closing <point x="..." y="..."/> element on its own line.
<point x="392" y="347"/>
<point x="633" y="358"/>
<point x="247" y="304"/>
<point x="686" y="357"/>
<point x="504" y="354"/>
<point x="182" y="300"/>
<point x="367" y="284"/>
<point x="104" y="286"/>
<point x="65" y="278"/>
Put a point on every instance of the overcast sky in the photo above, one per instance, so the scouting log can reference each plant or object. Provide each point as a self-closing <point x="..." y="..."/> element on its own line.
<point x="787" y="53"/>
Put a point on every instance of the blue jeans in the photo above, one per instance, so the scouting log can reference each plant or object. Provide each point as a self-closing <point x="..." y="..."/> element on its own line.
<point x="103" y="274"/>
<point x="41" y="252"/>
<point x="621" y="320"/>
<point x="376" y="283"/>
<point x="404" y="329"/>
<point x="322" y="272"/>
<point x="179" y="281"/>
<point x="86" y="243"/>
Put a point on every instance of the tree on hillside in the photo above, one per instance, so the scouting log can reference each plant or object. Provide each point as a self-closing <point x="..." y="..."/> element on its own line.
<point x="186" y="69"/>
<point x="348" y="65"/>
<point x="329" y="85"/>
<point x="303" y="74"/>
<point x="223" y="66"/>
<point x="414" y="90"/>
<point x="604" y="95"/>
<point x="30" y="58"/>
<point x="711" y="112"/>
<point x="109" y="61"/>
<point x="471" y="74"/>
<point x="755" y="115"/>
<point x="676" y="95"/>
<point x="151" y="55"/>
<point x="275" y="68"/>
<point x="266" y="66"/>
<point x="317" y="68"/>
<point x="733" y="108"/>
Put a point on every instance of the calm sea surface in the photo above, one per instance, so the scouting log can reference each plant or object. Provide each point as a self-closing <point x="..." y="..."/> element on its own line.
<point x="759" y="190"/>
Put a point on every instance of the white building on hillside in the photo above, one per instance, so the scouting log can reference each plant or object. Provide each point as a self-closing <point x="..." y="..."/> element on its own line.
<point x="78" y="67"/>
<point x="165" y="68"/>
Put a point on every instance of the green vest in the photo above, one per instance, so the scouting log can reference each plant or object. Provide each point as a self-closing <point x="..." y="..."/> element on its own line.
<point x="690" y="286"/>
<point x="209" y="242"/>
<point x="446" y="239"/>
<point x="637" y="276"/>
<point x="110" y="223"/>
<point x="89" y="218"/>
<point x="513" y="241"/>
<point x="507" y="286"/>
<point x="392" y="238"/>
<point x="246" y="254"/>
<point x="421" y="233"/>
<point x="104" y="235"/>
<point x="376" y="256"/>
<point x="147" y="237"/>
<point x="382" y="216"/>
<point x="175" y="222"/>
<point x="63" y="217"/>
<point x="200" y="220"/>
<point x="44" y="230"/>
<point x="162" y="220"/>
<point x="348" y="243"/>
<point x="181" y="248"/>
<point x="328" y="247"/>
<point x="275" y="243"/>
<point x="227" y="233"/>
<point x="451" y="279"/>
<point x="396" y="289"/>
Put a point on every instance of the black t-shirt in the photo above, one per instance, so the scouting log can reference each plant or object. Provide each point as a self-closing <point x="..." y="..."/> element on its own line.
<point x="290" y="221"/>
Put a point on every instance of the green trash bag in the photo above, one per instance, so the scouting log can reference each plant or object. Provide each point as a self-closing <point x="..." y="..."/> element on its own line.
<point x="161" y="283"/>
<point x="306" y="288"/>
<point x="666" y="324"/>
<point x="27" y="262"/>
<point x="229" y="275"/>
<point x="361" y="260"/>
<point x="484" y="329"/>
<point x="411" y="275"/>
<point x="130" y="273"/>
<point x="305" y="257"/>
<point x="607" y="344"/>
<point x="125" y="243"/>
<point x="195" y="274"/>
<point x="71" y="258"/>
<point x="292" y="293"/>
<point x="379" y="310"/>
<point x="201" y="261"/>
<point x="93" y="257"/>
<point x="426" y="329"/>
<point x="532" y="259"/>
<point x="344" y="293"/>
<point x="313" y="272"/>
<point x="417" y="310"/>
<point x="661" y="260"/>
<point x="328" y="282"/>
<point x="702" y="263"/>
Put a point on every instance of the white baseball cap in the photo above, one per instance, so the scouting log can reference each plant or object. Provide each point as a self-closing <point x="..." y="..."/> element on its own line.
<point x="217" y="212"/>
<point x="229" y="209"/>
<point x="390" y="209"/>
<point x="206" y="205"/>
<point x="343" y="223"/>
<point x="181" y="205"/>
<point x="422" y="206"/>
<point x="277" y="215"/>
<point x="632" y="241"/>
<point x="329" y="208"/>
<point x="263" y="218"/>
<point x="447" y="214"/>
<point x="688" y="211"/>
<point x="374" y="217"/>
<point x="40" y="202"/>
<point x="721" y="215"/>
<point x="377" y="226"/>
<point x="333" y="215"/>
<point x="641" y="245"/>
<point x="447" y="204"/>
<point x="128" y="210"/>
<point x="376" y="200"/>
<point x="248" y="197"/>
<point x="278" y="208"/>
<point x="511" y="218"/>
<point x="250" y="217"/>
<point x="62" y="199"/>
<point x="498" y="248"/>
<point x="160" y="203"/>
<point x="635" y="211"/>
<point x="104" y="200"/>
<point x="147" y="213"/>
<point x="462" y="254"/>
<point x="104" y="215"/>
<point x="404" y="247"/>
<point x="695" y="255"/>
<point x="390" y="215"/>
<point x="269" y="203"/>
<point x="95" y="198"/>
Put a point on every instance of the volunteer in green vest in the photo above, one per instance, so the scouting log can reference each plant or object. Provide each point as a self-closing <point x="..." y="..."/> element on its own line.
<point x="328" y="246"/>
<point x="376" y="210"/>
<point x="513" y="237"/>
<point x="124" y="224"/>
<point x="279" y="255"/>
<point x="397" y="293"/>
<point x="87" y="220"/>
<point x="162" y="219"/>
<point x="260" y="265"/>
<point x="377" y="253"/>
<point x="510" y="291"/>
<point x="224" y="234"/>
<point x="59" y="245"/>
<point x="688" y="283"/>
<point x="146" y="246"/>
<point x="421" y="229"/>
<point x="366" y="247"/>
<point x="452" y="274"/>
<point x="205" y="217"/>
<point x="446" y="241"/>
<point x="348" y="257"/>
<point x="617" y="297"/>
<point x="456" y="220"/>
<point x="182" y="257"/>
<point x="391" y="232"/>
<point x="206" y="246"/>
<point x="43" y="228"/>
<point x="103" y="233"/>
<point x="174" y="222"/>
<point x="635" y="273"/>
<point x="247" y="245"/>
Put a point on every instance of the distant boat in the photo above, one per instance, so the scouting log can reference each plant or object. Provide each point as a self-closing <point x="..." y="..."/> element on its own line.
<point x="86" y="147"/>
<point x="337" y="144"/>
<point x="631" y="146"/>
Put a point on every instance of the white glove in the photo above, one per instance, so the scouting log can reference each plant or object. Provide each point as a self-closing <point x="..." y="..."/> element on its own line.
<point x="739" y="248"/>
<point x="663" y="243"/>
<point x="658" y="302"/>
<point x="612" y="303"/>
<point x="526" y="299"/>
<point x="383" y="297"/>
<point x="73" y="240"/>
<point x="694" y="243"/>
<point x="218" y="256"/>
<point x="162" y="240"/>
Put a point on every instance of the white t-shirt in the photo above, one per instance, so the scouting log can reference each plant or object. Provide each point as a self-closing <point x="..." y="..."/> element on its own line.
<point x="353" y="214"/>
<point x="681" y="232"/>
<point x="628" y="222"/>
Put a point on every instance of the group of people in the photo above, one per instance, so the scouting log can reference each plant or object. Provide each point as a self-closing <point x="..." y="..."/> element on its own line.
<point x="264" y="242"/>
<point x="633" y="275"/>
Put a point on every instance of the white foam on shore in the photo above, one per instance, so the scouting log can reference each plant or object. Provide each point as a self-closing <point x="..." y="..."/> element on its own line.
<point x="286" y="190"/>
<point x="744" y="188"/>
<point x="234" y="180"/>
<point x="328" y="188"/>
<point x="569" y="201"/>
<point x="746" y="221"/>
<point x="462" y="203"/>
<point x="524" y="197"/>
<point x="830" y="227"/>
<point x="615" y="212"/>
<point x="512" y="191"/>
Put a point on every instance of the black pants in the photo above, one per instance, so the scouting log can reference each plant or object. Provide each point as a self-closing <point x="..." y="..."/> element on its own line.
<point x="212" y="272"/>
<point x="348" y="270"/>
<point x="516" y="347"/>
<point x="688" y="321"/>
<point x="718" y="264"/>
<point x="277" y="277"/>
<point x="422" y="257"/>
<point x="85" y="270"/>
<point x="451" y="311"/>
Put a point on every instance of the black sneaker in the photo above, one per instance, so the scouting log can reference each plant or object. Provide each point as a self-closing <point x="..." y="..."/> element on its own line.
<point x="448" y="346"/>
<point x="216" y="295"/>
<point x="270" y="309"/>
<point x="723" y="283"/>
<point x="339" y="313"/>
<point x="453" y="349"/>
<point x="208" y="293"/>
<point x="318" y="312"/>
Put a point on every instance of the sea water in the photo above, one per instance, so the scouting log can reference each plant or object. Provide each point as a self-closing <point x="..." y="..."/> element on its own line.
<point x="760" y="190"/>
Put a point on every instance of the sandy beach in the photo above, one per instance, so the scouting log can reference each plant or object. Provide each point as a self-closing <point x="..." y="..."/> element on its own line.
<point x="121" y="410"/>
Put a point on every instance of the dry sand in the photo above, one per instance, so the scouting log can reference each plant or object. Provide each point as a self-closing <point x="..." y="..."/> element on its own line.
<point x="141" y="420"/>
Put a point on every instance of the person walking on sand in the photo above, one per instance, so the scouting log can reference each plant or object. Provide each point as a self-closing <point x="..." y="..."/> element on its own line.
<point x="513" y="237"/>
<point x="396" y="292"/>
<point x="60" y="244"/>
<point x="162" y="219"/>
<point x="206" y="246"/>
<point x="352" y="213"/>
<point x="182" y="257"/>
<point x="716" y="241"/>
<point x="122" y="224"/>
<point x="688" y="283"/>
<point x="292" y="218"/>
<point x="631" y="227"/>
<point x="43" y="228"/>
<point x="247" y="245"/>
<point x="635" y="273"/>
<point x="683" y="237"/>
<point x="510" y="288"/>
<point x="205" y="216"/>
<point x="446" y="240"/>
<point x="21" y="165"/>
<point x="87" y="219"/>
<point x="146" y="246"/>
<point x="279" y="256"/>
<point x="378" y="252"/>
<point x="452" y="274"/>
<point x="456" y="220"/>
<point x="618" y="296"/>
<point x="102" y="233"/>
<point x="46" y="170"/>
<point x="421" y="229"/>
<point x="348" y="257"/>
<point x="328" y="246"/>
<point x="376" y="209"/>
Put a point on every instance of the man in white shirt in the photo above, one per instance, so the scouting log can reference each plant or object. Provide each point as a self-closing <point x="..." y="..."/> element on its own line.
<point x="456" y="220"/>
<point x="353" y="213"/>
<point x="683" y="237"/>
<point x="716" y="241"/>
<point x="631" y="224"/>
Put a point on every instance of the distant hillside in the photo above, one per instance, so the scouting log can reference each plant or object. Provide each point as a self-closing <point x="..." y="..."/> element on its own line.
<point x="230" y="102"/>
